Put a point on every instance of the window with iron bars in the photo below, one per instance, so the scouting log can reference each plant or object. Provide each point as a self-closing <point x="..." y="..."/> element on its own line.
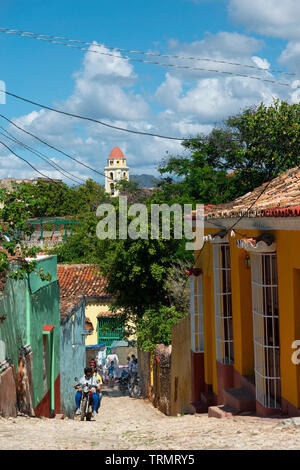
<point x="196" y="314"/>
<point x="223" y="303"/>
<point x="266" y="329"/>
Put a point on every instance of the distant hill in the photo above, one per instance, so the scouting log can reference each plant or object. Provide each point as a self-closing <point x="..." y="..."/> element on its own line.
<point x="145" y="181"/>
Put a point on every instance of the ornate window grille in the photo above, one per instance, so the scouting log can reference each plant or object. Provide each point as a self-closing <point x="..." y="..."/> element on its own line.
<point x="266" y="329"/>
<point x="223" y="303"/>
<point x="196" y="310"/>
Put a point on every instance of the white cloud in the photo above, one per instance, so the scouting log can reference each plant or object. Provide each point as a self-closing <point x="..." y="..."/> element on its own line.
<point x="186" y="103"/>
<point x="211" y="96"/>
<point x="290" y="57"/>
<point x="223" y="44"/>
<point x="268" y="17"/>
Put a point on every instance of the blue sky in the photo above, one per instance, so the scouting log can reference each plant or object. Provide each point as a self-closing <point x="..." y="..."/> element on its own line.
<point x="134" y="95"/>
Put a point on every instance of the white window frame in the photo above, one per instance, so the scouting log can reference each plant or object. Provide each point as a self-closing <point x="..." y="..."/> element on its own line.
<point x="223" y="302"/>
<point x="266" y="329"/>
<point x="196" y="314"/>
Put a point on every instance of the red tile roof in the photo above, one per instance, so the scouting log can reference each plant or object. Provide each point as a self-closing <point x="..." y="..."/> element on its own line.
<point x="278" y="198"/>
<point x="78" y="280"/>
<point x="116" y="153"/>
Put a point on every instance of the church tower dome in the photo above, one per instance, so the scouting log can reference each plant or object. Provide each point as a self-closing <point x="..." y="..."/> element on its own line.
<point x="115" y="171"/>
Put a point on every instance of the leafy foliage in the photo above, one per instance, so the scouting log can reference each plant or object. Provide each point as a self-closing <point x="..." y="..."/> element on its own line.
<point x="15" y="209"/>
<point x="155" y="327"/>
<point x="246" y="151"/>
<point x="58" y="199"/>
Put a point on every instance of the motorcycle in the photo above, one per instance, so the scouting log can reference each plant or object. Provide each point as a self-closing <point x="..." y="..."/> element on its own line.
<point x="86" y="402"/>
<point x="123" y="382"/>
<point x="134" y="388"/>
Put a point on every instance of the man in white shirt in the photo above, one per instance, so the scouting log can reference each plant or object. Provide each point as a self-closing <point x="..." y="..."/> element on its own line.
<point x="89" y="379"/>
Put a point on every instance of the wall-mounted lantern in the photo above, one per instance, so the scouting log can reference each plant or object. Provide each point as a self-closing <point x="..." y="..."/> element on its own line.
<point x="247" y="261"/>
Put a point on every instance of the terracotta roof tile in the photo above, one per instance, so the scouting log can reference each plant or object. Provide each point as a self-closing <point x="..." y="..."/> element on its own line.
<point x="78" y="280"/>
<point x="283" y="192"/>
<point x="116" y="153"/>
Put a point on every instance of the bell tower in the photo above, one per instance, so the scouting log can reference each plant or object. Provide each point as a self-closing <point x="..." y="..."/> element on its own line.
<point x="115" y="171"/>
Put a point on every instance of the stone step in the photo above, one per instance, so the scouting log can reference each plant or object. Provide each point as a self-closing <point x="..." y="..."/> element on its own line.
<point x="221" y="411"/>
<point x="239" y="399"/>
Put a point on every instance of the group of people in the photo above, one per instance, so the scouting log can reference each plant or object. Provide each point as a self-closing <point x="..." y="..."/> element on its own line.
<point x="94" y="376"/>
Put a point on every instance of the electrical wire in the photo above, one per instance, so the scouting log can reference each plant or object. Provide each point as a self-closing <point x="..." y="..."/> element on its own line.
<point x="237" y="222"/>
<point x="52" y="147"/>
<point x="50" y="38"/>
<point x="251" y="205"/>
<point x="91" y="119"/>
<point x="28" y="163"/>
<point x="44" y="158"/>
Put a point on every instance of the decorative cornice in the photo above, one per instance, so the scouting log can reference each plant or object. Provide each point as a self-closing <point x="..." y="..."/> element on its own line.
<point x="220" y="237"/>
<point x="265" y="243"/>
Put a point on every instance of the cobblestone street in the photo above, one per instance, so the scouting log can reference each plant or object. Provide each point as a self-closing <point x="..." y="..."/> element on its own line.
<point x="124" y="423"/>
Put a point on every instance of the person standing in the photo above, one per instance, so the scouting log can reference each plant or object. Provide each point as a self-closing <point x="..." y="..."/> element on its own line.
<point x="111" y="373"/>
<point x="99" y="378"/>
<point x="130" y="364"/>
<point x="113" y="357"/>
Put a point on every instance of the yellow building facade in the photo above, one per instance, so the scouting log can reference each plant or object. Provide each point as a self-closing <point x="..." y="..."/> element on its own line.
<point x="92" y="310"/>
<point x="245" y="307"/>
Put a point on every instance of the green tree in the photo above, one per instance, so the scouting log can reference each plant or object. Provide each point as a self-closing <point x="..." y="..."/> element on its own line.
<point x="58" y="199"/>
<point x="16" y="205"/>
<point x="246" y="151"/>
<point x="155" y="327"/>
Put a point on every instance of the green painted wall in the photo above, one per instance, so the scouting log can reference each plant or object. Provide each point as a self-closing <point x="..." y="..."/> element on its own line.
<point x="13" y="328"/>
<point x="28" y="306"/>
<point x="44" y="310"/>
<point x="48" y="264"/>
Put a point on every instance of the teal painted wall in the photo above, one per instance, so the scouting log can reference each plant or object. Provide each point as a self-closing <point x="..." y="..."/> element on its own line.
<point x="28" y="306"/>
<point x="72" y="356"/>
<point x="48" y="264"/>
<point x="13" y="328"/>
<point x="45" y="309"/>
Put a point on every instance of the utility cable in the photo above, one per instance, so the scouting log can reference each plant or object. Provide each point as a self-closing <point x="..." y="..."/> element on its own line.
<point x="251" y="205"/>
<point x="186" y="67"/>
<point x="24" y="160"/>
<point x="40" y="155"/>
<point x="138" y="52"/>
<point x="52" y="147"/>
<point x="241" y="217"/>
<point x="91" y="119"/>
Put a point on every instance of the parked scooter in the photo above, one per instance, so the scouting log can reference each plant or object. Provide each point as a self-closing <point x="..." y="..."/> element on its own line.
<point x="134" y="387"/>
<point x="86" y="402"/>
<point x="123" y="382"/>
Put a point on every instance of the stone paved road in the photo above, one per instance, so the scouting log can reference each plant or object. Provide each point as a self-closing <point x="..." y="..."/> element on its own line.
<point x="124" y="423"/>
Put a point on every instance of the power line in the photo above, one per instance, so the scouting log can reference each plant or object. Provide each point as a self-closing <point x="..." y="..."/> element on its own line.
<point x="38" y="153"/>
<point x="152" y="54"/>
<point x="52" y="147"/>
<point x="251" y="205"/>
<point x="44" y="158"/>
<point x="186" y="67"/>
<point x="28" y="163"/>
<point x="91" y="119"/>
